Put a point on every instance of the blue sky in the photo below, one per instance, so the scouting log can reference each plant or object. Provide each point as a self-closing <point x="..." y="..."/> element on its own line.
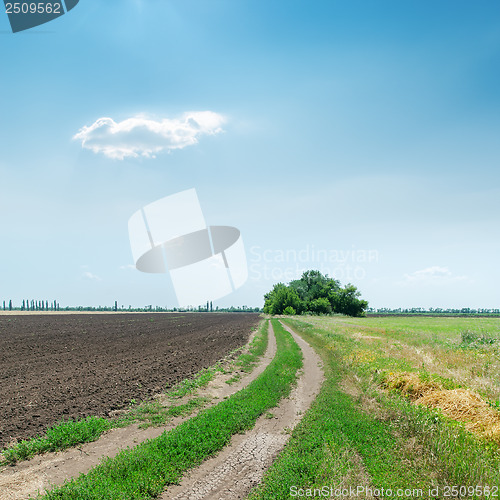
<point x="363" y="134"/>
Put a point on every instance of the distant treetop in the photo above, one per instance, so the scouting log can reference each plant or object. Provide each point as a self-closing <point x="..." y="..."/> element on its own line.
<point x="316" y="294"/>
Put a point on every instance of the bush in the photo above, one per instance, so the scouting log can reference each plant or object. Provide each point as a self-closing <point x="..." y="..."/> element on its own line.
<point x="470" y="338"/>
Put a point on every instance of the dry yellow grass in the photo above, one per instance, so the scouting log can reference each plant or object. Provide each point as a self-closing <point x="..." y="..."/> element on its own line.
<point x="410" y="385"/>
<point x="468" y="407"/>
<point x="462" y="405"/>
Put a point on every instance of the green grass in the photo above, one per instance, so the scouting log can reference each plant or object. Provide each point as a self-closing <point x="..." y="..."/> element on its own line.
<point x="142" y="472"/>
<point x="64" y="435"/>
<point x="354" y="434"/>
<point x="246" y="361"/>
<point x="446" y="327"/>
<point x="58" y="437"/>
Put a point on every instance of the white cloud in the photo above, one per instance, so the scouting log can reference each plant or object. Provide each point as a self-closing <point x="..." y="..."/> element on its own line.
<point x="91" y="276"/>
<point x="434" y="274"/>
<point x="140" y="136"/>
<point x="128" y="266"/>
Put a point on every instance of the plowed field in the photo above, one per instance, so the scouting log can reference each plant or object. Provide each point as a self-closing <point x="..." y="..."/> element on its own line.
<point x="57" y="367"/>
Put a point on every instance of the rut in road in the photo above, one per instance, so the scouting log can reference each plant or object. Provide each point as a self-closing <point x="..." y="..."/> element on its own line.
<point x="53" y="469"/>
<point x="241" y="465"/>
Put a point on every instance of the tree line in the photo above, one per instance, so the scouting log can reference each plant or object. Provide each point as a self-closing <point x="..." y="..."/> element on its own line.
<point x="45" y="305"/>
<point x="32" y="305"/>
<point x="314" y="293"/>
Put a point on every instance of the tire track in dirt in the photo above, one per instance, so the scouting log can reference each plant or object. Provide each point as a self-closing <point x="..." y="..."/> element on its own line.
<point x="42" y="472"/>
<point x="242" y="464"/>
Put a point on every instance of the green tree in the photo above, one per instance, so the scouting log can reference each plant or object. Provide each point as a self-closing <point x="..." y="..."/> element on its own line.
<point x="313" y="285"/>
<point x="320" y="306"/>
<point x="281" y="297"/>
<point x="315" y="293"/>
<point x="346" y="301"/>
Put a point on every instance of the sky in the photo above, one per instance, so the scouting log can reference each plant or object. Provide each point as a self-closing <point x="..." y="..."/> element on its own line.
<point x="356" y="137"/>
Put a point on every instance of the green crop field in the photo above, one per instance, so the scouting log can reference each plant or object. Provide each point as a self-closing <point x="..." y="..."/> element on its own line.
<point x="465" y="350"/>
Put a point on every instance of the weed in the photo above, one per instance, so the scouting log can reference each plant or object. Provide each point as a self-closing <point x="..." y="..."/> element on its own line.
<point x="188" y="386"/>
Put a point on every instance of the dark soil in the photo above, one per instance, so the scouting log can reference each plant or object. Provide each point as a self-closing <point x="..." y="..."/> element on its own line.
<point x="58" y="367"/>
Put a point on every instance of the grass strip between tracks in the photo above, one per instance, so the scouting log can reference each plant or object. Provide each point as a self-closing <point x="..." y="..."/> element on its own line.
<point x="143" y="472"/>
<point x="67" y="434"/>
<point x="389" y="444"/>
